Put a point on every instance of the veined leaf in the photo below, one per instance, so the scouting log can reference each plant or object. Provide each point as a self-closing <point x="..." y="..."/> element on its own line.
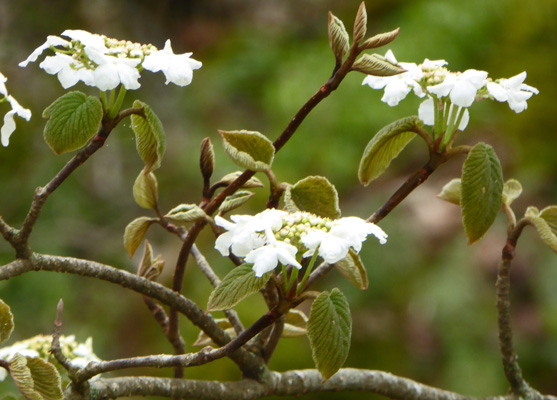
<point x="36" y="379"/>
<point x="6" y="322"/>
<point x="135" y="232"/>
<point x="511" y="190"/>
<point x="150" y="138"/>
<point x="145" y="190"/>
<point x="386" y="146"/>
<point x="314" y="194"/>
<point x="329" y="332"/>
<point x="238" y="284"/>
<point x="295" y="324"/>
<point x="481" y="191"/>
<point x="381" y="39"/>
<point x="353" y="269"/>
<point x="376" y="65"/>
<point x="248" y="149"/>
<point x="545" y="223"/>
<point x="186" y="213"/>
<point x="224" y="324"/>
<point x="338" y="37"/>
<point x="234" y="201"/>
<point x="253" y="182"/>
<point x="73" y="119"/>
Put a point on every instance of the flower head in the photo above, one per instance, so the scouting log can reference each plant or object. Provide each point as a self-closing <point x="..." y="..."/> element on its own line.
<point x="9" y="124"/>
<point x="274" y="237"/>
<point x="105" y="63"/>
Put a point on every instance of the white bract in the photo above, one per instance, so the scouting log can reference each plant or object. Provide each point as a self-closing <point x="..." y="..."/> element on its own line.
<point x="452" y="92"/>
<point x="9" y="124"/>
<point x="272" y="237"/>
<point x="105" y="63"/>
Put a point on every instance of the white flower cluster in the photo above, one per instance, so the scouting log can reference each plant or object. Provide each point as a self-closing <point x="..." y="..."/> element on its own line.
<point x="274" y="236"/>
<point x="9" y="124"/>
<point x="79" y="354"/>
<point x="106" y="63"/>
<point x="450" y="89"/>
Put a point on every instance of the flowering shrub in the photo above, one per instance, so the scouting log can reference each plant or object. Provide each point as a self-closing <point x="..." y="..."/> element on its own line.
<point x="301" y="227"/>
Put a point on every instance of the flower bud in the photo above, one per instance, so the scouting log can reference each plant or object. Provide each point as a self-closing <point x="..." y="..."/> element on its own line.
<point x="207" y="159"/>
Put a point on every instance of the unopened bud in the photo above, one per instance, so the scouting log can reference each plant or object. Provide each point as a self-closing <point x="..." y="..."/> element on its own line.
<point x="207" y="159"/>
<point x="338" y="38"/>
<point x="381" y="39"/>
<point x="360" y="25"/>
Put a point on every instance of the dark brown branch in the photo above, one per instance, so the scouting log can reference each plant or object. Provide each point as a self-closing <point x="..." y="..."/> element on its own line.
<point x="291" y="383"/>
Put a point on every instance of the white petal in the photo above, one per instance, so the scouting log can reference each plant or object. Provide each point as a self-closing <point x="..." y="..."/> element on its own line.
<point x="463" y="93"/>
<point x="50" y="41"/>
<point x="8" y="128"/>
<point x="3" y="89"/>
<point x="87" y="38"/>
<point x="497" y="91"/>
<point x="426" y="112"/>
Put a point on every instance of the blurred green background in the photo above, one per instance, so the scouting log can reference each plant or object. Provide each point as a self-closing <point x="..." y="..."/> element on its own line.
<point x="429" y="312"/>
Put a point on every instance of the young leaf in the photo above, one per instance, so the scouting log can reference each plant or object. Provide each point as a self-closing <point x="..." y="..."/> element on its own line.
<point x="481" y="190"/>
<point x="186" y="213"/>
<point x="338" y="38"/>
<point x="6" y="322"/>
<point x="451" y="192"/>
<point x="380" y="40"/>
<point x="253" y="182"/>
<point x="150" y="139"/>
<point x="386" y="146"/>
<point x="329" y="331"/>
<point x="36" y="379"/>
<point x="145" y="190"/>
<point x="224" y="324"/>
<point x="352" y="268"/>
<point x="73" y="119"/>
<point x="376" y="65"/>
<point x="360" y="25"/>
<point x="545" y="223"/>
<point x="234" y="201"/>
<point x="134" y="233"/>
<point x="249" y="150"/>
<point x="314" y="194"/>
<point x="295" y="324"/>
<point x="238" y="284"/>
<point x="511" y="190"/>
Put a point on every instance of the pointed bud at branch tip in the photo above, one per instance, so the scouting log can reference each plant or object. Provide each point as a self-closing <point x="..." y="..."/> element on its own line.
<point x="338" y="38"/>
<point x="59" y="309"/>
<point x="360" y="25"/>
<point x="207" y="159"/>
<point x="380" y="40"/>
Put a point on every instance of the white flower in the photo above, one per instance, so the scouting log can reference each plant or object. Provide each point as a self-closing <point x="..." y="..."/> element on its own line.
<point x="512" y="90"/>
<point x="345" y="233"/>
<point x="112" y="71"/>
<point x="266" y="258"/>
<point x="51" y="41"/>
<point x="242" y="237"/>
<point x="69" y="72"/>
<point x="87" y="39"/>
<point x="3" y="89"/>
<point x="9" y="124"/>
<point x="398" y="86"/>
<point x="177" y="68"/>
<point x="461" y="88"/>
<point x="426" y="114"/>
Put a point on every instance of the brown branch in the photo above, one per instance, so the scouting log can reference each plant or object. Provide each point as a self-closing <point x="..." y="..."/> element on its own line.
<point x="290" y="383"/>
<point x="503" y="288"/>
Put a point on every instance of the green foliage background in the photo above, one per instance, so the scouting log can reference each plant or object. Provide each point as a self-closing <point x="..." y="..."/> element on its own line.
<point x="429" y="312"/>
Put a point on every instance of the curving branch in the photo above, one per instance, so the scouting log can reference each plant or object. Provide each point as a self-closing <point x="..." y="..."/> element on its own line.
<point x="290" y="383"/>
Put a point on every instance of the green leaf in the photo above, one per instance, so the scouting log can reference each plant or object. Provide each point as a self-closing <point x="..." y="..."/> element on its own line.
<point x="238" y="284"/>
<point x="150" y="138"/>
<point x="352" y="268"/>
<point x="234" y="201"/>
<point x="249" y="150"/>
<point x="451" y="192"/>
<point x="186" y="213"/>
<point x="295" y="324"/>
<point x="150" y="268"/>
<point x="145" y="190"/>
<point x="73" y="119"/>
<point x="253" y="182"/>
<point x="135" y="232"/>
<point x="36" y="379"/>
<point x="338" y="37"/>
<point x="314" y="194"/>
<point x="545" y="223"/>
<point x="381" y="39"/>
<point x="224" y="324"/>
<point x="376" y="65"/>
<point x="481" y="191"/>
<point x="329" y="331"/>
<point x="46" y="378"/>
<point x="511" y="190"/>
<point x="360" y="24"/>
<point x="6" y="322"/>
<point x="386" y="146"/>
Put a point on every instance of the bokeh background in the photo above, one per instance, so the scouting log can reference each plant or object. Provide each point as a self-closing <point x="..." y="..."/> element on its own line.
<point x="429" y="312"/>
